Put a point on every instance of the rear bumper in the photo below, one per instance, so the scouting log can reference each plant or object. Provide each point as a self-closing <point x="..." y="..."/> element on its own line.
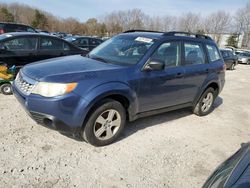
<point x="64" y="114"/>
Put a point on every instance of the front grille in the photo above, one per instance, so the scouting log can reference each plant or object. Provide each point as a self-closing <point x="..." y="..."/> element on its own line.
<point x="23" y="85"/>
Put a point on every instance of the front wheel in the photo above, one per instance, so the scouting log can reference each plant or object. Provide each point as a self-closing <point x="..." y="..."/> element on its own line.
<point x="6" y="89"/>
<point x="205" y="104"/>
<point x="105" y="123"/>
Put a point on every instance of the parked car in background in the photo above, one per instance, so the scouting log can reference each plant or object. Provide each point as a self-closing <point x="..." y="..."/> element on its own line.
<point x="132" y="75"/>
<point x="21" y="48"/>
<point x="43" y="31"/>
<point x="6" y="27"/>
<point x="244" y="57"/>
<point x="230" y="59"/>
<point x="84" y="42"/>
<point x="234" y="172"/>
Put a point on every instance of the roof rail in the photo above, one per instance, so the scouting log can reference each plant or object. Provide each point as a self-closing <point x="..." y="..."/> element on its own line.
<point x="182" y="33"/>
<point x="141" y="30"/>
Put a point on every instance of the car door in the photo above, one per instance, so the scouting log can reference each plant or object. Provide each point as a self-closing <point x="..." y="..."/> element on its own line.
<point x="162" y="88"/>
<point x="196" y="67"/>
<point x="50" y="47"/>
<point x="19" y="50"/>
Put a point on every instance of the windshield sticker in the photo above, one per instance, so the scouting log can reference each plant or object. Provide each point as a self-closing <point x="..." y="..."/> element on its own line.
<point x="144" y="39"/>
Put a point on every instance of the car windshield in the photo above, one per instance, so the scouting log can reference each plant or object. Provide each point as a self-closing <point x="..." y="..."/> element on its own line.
<point x="122" y="50"/>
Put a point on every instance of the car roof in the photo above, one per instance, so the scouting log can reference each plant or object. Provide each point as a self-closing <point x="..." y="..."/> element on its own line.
<point x="153" y="35"/>
<point x="15" y="34"/>
<point x="173" y="35"/>
<point x="11" y="23"/>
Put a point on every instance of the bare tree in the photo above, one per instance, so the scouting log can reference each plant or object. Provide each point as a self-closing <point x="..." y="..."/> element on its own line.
<point x="189" y="22"/>
<point x="242" y="23"/>
<point x="217" y="23"/>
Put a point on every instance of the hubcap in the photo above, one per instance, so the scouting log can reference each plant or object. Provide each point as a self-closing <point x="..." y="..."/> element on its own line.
<point x="207" y="102"/>
<point x="107" y="124"/>
<point x="7" y="89"/>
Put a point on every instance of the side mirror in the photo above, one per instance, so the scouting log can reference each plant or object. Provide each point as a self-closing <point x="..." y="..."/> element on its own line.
<point x="154" y="65"/>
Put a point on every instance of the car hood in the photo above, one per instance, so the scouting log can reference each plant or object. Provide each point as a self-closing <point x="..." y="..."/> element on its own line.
<point x="66" y="69"/>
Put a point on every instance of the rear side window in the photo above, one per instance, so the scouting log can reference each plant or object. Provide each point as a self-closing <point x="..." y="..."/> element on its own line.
<point x="169" y="53"/>
<point x="81" y="41"/>
<point x="194" y="54"/>
<point x="21" y="43"/>
<point x="66" y="46"/>
<point x="213" y="53"/>
<point x="51" y="44"/>
<point x="95" y="42"/>
<point x="224" y="54"/>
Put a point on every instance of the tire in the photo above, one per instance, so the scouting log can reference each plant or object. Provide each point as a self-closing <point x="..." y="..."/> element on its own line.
<point x="232" y="66"/>
<point x="202" y="109"/>
<point x="100" y="129"/>
<point x="6" y="89"/>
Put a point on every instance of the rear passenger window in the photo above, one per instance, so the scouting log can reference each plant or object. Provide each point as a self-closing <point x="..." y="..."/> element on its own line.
<point x="169" y="53"/>
<point x="95" y="42"/>
<point x="194" y="54"/>
<point x="66" y="46"/>
<point x="50" y="44"/>
<point x="21" y="43"/>
<point x="213" y="53"/>
<point x="81" y="41"/>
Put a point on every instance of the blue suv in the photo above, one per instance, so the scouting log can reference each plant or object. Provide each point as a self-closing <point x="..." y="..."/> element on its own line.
<point x="132" y="75"/>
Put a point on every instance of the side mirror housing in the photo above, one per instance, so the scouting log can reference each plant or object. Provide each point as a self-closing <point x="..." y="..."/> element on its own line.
<point x="154" y="65"/>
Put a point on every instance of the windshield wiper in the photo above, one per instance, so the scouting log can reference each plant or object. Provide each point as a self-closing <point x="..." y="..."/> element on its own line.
<point x="98" y="59"/>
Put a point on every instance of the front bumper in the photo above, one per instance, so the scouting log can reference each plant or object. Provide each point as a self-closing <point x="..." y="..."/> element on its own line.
<point x="64" y="114"/>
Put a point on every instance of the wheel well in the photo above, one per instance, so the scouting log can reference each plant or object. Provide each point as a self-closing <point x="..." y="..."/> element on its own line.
<point x="120" y="98"/>
<point x="214" y="86"/>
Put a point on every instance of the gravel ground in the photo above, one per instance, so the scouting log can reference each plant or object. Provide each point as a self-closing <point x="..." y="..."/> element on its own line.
<point x="176" y="149"/>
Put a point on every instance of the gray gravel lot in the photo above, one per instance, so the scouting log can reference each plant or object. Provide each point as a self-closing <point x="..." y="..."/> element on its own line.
<point x="176" y="149"/>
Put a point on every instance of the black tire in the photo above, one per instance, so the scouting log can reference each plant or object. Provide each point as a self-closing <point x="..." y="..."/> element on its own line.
<point x="91" y="128"/>
<point x="6" y="89"/>
<point x="199" y="107"/>
<point x="232" y="66"/>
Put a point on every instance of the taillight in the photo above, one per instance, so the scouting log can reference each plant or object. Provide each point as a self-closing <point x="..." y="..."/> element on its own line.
<point x="1" y="31"/>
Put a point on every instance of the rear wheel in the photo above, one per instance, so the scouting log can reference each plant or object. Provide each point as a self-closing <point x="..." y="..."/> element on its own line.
<point x="105" y="123"/>
<point x="205" y="104"/>
<point x="232" y="66"/>
<point x="6" y="89"/>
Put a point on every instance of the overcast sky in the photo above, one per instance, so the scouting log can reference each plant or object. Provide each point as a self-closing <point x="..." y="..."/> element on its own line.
<point x="84" y="9"/>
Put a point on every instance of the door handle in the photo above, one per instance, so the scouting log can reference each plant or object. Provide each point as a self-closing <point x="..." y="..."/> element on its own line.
<point x="179" y="75"/>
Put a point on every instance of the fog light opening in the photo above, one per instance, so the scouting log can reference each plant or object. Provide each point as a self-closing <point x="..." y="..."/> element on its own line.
<point x="48" y="122"/>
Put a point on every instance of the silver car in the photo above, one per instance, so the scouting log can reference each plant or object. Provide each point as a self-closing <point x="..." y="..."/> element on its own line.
<point x="244" y="57"/>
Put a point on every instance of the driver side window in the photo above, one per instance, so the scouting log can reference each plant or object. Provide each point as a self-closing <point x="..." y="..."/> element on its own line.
<point x="168" y="53"/>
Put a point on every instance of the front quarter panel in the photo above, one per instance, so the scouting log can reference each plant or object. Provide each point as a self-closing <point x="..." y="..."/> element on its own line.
<point x="107" y="89"/>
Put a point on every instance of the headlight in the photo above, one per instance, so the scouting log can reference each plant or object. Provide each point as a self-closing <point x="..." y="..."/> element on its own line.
<point x="47" y="89"/>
